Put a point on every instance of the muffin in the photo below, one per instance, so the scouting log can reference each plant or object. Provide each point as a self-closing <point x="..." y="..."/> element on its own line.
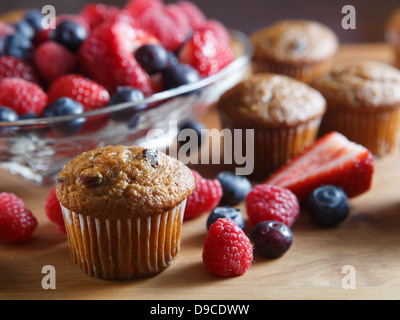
<point x="300" y="49"/>
<point x="392" y="33"/>
<point x="284" y="113"/>
<point x="363" y="103"/>
<point x="123" y="209"/>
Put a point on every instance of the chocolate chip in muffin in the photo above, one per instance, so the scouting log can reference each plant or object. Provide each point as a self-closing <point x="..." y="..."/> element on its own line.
<point x="151" y="156"/>
<point x="90" y="178"/>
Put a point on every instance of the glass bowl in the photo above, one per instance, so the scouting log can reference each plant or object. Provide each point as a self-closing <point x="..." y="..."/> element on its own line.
<point x="35" y="150"/>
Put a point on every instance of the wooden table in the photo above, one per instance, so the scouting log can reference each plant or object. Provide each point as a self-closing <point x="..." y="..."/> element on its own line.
<point x="369" y="241"/>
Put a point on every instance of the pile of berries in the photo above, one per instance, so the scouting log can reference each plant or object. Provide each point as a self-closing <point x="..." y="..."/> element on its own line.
<point x="105" y="55"/>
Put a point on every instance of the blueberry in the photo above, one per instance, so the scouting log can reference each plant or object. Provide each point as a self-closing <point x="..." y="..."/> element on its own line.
<point x="172" y="58"/>
<point x="16" y="45"/>
<point x="271" y="239"/>
<point x="123" y="95"/>
<point x="177" y="75"/>
<point x="25" y="29"/>
<point x="64" y="107"/>
<point x="34" y="17"/>
<point x="192" y="128"/>
<point x="235" y="188"/>
<point x="70" y="34"/>
<point x="328" y="206"/>
<point x="152" y="58"/>
<point x="7" y="114"/>
<point x="226" y="212"/>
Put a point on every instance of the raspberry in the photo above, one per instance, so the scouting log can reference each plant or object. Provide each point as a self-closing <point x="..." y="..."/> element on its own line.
<point x="195" y="16"/>
<point x="22" y="96"/>
<point x="206" y="53"/>
<point x="267" y="202"/>
<point x="218" y="29"/>
<point x="16" y="222"/>
<point x="53" y="60"/>
<point x="138" y="7"/>
<point x="227" y="250"/>
<point x="13" y="67"/>
<point x="87" y="92"/>
<point x="53" y="210"/>
<point x="205" y="197"/>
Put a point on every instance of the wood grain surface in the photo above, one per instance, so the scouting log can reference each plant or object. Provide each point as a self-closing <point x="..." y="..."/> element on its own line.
<point x="369" y="241"/>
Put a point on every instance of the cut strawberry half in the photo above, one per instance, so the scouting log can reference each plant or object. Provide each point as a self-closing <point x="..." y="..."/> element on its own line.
<point x="332" y="159"/>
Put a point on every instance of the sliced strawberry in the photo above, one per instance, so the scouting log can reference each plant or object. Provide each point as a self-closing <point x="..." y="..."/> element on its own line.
<point x="106" y="56"/>
<point x="332" y="159"/>
<point x="206" y="53"/>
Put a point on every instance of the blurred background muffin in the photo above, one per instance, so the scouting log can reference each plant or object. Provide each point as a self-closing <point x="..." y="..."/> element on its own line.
<point x="300" y="49"/>
<point x="363" y="103"/>
<point x="392" y="33"/>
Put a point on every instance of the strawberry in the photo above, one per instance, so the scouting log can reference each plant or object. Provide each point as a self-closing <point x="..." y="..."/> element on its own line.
<point x="107" y="56"/>
<point x="87" y="92"/>
<point x="168" y="25"/>
<point x="206" y="53"/>
<point x="53" y="60"/>
<point x="13" y="67"/>
<point x="333" y="160"/>
<point x="16" y="221"/>
<point x="97" y="13"/>
<point x="22" y="96"/>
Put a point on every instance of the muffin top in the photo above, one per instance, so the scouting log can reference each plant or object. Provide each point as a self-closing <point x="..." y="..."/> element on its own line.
<point x="272" y="100"/>
<point x="295" y="41"/>
<point x="117" y="182"/>
<point x="360" y="83"/>
<point x="392" y="30"/>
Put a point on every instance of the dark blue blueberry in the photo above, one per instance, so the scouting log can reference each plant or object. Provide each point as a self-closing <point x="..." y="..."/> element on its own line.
<point x="16" y="45"/>
<point x="24" y="28"/>
<point x="64" y="107"/>
<point x="196" y="129"/>
<point x="7" y="114"/>
<point x="123" y="95"/>
<point x="234" y="187"/>
<point x="34" y="17"/>
<point x="328" y="206"/>
<point x="271" y="239"/>
<point x="70" y="34"/>
<point x="226" y="212"/>
<point x="172" y="59"/>
<point x="29" y="116"/>
<point x="177" y="75"/>
<point x="152" y="58"/>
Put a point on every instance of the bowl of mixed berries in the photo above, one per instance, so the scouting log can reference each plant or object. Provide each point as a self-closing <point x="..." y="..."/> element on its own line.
<point x="108" y="75"/>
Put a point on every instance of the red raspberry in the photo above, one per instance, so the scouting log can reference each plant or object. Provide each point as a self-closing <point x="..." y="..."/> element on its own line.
<point x="89" y="93"/>
<point x="267" y="202"/>
<point x="219" y="31"/>
<point x="206" y="196"/>
<point x="106" y="56"/>
<point x="227" y="250"/>
<point x="206" y="53"/>
<point x="16" y="222"/>
<point x="54" y="60"/>
<point x="97" y="13"/>
<point x="13" y="67"/>
<point x="195" y="16"/>
<point x="22" y="96"/>
<point x="53" y="210"/>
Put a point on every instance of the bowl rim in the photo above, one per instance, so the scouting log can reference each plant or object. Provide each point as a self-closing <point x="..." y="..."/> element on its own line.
<point x="238" y="63"/>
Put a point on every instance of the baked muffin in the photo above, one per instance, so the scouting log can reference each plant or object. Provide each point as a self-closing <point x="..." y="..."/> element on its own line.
<point x="123" y="209"/>
<point x="392" y="33"/>
<point x="298" y="48"/>
<point x="363" y="103"/>
<point x="284" y="113"/>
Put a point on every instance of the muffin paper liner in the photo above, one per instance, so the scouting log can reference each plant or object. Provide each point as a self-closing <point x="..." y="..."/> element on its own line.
<point x="302" y="72"/>
<point x="274" y="146"/>
<point x="377" y="130"/>
<point x="124" y="249"/>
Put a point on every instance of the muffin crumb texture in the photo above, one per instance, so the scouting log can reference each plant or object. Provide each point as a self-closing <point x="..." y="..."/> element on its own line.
<point x="116" y="182"/>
